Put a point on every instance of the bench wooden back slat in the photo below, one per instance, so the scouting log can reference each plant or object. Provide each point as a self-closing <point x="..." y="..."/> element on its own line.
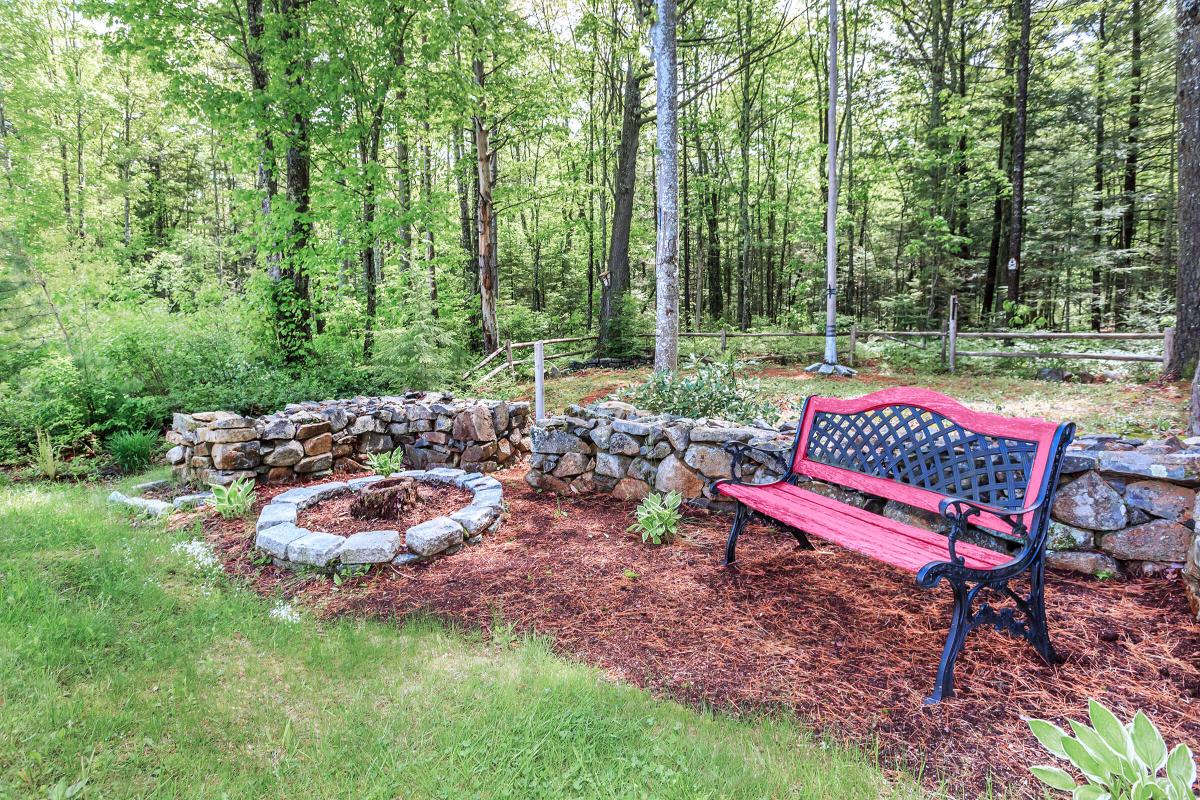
<point x="918" y="447"/>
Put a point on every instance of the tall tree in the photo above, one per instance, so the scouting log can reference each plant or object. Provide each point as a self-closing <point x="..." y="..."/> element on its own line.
<point x="1016" y="226"/>
<point x="1187" y="285"/>
<point x="666" y="266"/>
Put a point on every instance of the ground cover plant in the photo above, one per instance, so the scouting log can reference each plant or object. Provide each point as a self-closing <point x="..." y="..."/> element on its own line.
<point x="132" y="668"/>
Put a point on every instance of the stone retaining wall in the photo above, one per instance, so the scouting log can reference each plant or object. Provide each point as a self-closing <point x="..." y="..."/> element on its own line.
<point x="310" y="440"/>
<point x="1125" y="506"/>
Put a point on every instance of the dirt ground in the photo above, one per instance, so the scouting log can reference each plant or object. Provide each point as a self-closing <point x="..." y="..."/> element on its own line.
<point x="846" y="643"/>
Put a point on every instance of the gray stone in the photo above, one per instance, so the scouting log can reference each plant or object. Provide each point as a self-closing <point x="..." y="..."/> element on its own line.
<point x="226" y="477"/>
<point x="314" y="464"/>
<point x="357" y="484"/>
<point x="643" y="470"/>
<point x="467" y="478"/>
<point x="183" y="423"/>
<point x="226" y="423"/>
<point x="177" y="454"/>
<point x="1084" y="562"/>
<point x="610" y="465"/>
<point x="572" y="464"/>
<point x="315" y="549"/>
<point x="151" y="508"/>
<point x="474" y="425"/>
<point x="150" y="486"/>
<point x="1178" y="467"/>
<point x="228" y="436"/>
<point x="337" y="417"/>
<point x="278" y="429"/>
<point x="630" y="427"/>
<point x="193" y="500"/>
<point x="600" y="435"/>
<point x="447" y="475"/>
<point x="708" y="433"/>
<point x="475" y="518"/>
<point x="623" y="444"/>
<point x="711" y="461"/>
<point x="433" y="536"/>
<point x="658" y="452"/>
<point x="486" y="482"/>
<point x="838" y="493"/>
<point x="369" y="547"/>
<point x="407" y="559"/>
<point x="1067" y="537"/>
<point x="366" y="424"/>
<point x="307" y="496"/>
<point x="674" y="475"/>
<point x="1161" y="499"/>
<point x="276" y="538"/>
<point x="557" y="442"/>
<point x="678" y="436"/>
<point x="631" y="489"/>
<point x="376" y="443"/>
<point x="1089" y="502"/>
<point x="489" y="497"/>
<point x="240" y="455"/>
<point x="1076" y="461"/>
<point x="1160" y="540"/>
<point x="275" y="513"/>
<point x="917" y="517"/>
<point x="285" y="455"/>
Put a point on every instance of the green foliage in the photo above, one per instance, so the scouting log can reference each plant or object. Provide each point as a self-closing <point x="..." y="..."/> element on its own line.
<point x="702" y="389"/>
<point x="626" y="335"/>
<point x="234" y="500"/>
<point x="1118" y="761"/>
<point x="386" y="463"/>
<point x="47" y="456"/>
<point x="133" y="451"/>
<point x="658" y="517"/>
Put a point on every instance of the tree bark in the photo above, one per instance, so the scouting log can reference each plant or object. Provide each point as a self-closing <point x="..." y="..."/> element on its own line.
<point x="1016" y="228"/>
<point x="616" y="282"/>
<point x="292" y="306"/>
<point x="1097" y="299"/>
<point x="1132" y="146"/>
<point x="485" y="215"/>
<point x="666" y="267"/>
<point x="1187" y="290"/>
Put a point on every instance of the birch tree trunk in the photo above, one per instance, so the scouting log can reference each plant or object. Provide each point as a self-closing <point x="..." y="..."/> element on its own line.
<point x="666" y="268"/>
<point x="486" y="224"/>
<point x="1016" y="228"/>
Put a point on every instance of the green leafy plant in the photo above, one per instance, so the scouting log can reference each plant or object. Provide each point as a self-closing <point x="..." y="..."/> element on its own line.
<point x="235" y="499"/>
<point x="658" y="517"/>
<point x="386" y="463"/>
<point x="702" y="389"/>
<point x="133" y="451"/>
<point x="1118" y="761"/>
<point x="46" y="461"/>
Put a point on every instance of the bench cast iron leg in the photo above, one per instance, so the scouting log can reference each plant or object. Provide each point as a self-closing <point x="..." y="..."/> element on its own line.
<point x="1039" y="632"/>
<point x="960" y="626"/>
<point x="739" y="521"/>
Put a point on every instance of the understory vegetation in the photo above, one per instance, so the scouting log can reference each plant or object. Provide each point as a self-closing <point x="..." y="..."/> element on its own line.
<point x="132" y="667"/>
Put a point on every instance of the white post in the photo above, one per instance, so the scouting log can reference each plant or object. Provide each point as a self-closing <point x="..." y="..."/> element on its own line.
<point x="953" y="330"/>
<point x="539" y="380"/>
<point x="830" y="365"/>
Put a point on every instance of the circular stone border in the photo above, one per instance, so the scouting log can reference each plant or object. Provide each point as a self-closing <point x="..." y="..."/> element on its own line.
<point x="277" y="534"/>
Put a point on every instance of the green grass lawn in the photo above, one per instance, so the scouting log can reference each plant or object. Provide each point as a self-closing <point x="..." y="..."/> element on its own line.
<point x="130" y="670"/>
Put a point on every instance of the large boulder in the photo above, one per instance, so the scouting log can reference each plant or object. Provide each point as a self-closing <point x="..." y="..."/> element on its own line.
<point x="285" y="454"/>
<point x="1091" y="503"/>
<point x="1161" y="499"/>
<point x="241" y="455"/>
<point x="675" y="476"/>
<point x="557" y="442"/>
<point x="572" y="464"/>
<point x="474" y="425"/>
<point x="433" y="536"/>
<point x="623" y="444"/>
<point x="611" y="466"/>
<point x="710" y="460"/>
<point x="1160" y="540"/>
<point x="1083" y="562"/>
<point x="370" y="547"/>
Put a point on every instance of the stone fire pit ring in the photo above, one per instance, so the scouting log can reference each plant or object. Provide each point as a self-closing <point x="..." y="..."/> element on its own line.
<point x="277" y="534"/>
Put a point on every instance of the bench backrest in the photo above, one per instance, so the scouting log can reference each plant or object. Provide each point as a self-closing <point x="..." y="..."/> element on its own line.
<point x="919" y="447"/>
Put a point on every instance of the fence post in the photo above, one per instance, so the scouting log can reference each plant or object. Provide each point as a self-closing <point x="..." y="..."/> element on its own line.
<point x="1168" y="347"/>
<point x="952" y="329"/>
<point x="723" y="340"/>
<point x="942" y="342"/>
<point x="508" y="353"/>
<point x="853" y="343"/>
<point x="539" y="380"/>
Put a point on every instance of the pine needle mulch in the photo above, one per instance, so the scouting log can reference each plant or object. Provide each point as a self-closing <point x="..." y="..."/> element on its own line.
<point x="848" y="644"/>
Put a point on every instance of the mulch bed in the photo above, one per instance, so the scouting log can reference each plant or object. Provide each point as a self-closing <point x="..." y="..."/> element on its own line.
<point x="845" y="642"/>
<point x="333" y="516"/>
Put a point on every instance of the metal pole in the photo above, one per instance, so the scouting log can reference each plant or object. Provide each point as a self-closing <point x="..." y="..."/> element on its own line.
<point x="539" y="380"/>
<point x="953" y="329"/>
<point x="1168" y="346"/>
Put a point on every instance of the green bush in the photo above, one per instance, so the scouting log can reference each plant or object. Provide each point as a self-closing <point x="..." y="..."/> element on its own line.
<point x="626" y="339"/>
<point x="386" y="463"/>
<point x="234" y="500"/>
<point x="1118" y="761"/>
<point x="133" y="452"/>
<point x="702" y="390"/>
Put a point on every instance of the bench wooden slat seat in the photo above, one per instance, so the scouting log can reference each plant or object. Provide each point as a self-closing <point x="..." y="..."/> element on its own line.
<point x="925" y="450"/>
<point x="906" y="547"/>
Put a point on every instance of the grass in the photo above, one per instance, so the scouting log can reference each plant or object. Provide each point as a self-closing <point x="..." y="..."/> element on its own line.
<point x="130" y="669"/>
<point x="1126" y="408"/>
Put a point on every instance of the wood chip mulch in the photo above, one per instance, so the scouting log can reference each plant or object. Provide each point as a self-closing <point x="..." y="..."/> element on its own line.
<point x="848" y="644"/>
<point x="333" y="516"/>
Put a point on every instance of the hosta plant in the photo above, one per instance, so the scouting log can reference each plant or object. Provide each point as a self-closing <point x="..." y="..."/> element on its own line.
<point x="235" y="499"/>
<point x="386" y="463"/>
<point x="658" y="517"/>
<point x="1117" y="761"/>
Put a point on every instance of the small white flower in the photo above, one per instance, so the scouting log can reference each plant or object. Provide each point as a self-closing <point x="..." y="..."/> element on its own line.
<point x="202" y="557"/>
<point x="284" y="612"/>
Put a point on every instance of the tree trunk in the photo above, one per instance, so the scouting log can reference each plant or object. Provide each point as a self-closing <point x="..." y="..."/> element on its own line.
<point x="1187" y="291"/>
<point x="1016" y="225"/>
<point x="666" y="267"/>
<point x="1098" y="181"/>
<point x="1132" y="146"/>
<point x="616" y="282"/>
<point x="427" y="224"/>
<point x="486" y="222"/>
<point x="292" y="307"/>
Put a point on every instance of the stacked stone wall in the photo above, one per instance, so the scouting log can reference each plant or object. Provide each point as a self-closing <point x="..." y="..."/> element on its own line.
<point x="1124" y="506"/>
<point x="310" y="440"/>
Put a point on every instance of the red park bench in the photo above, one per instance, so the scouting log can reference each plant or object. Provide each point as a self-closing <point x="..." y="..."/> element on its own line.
<point x="926" y="450"/>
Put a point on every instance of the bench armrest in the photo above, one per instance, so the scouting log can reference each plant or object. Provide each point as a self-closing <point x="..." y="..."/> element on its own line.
<point x="959" y="510"/>
<point x="739" y="451"/>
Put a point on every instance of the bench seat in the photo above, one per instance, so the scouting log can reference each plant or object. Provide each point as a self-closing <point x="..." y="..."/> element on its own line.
<point x="904" y="546"/>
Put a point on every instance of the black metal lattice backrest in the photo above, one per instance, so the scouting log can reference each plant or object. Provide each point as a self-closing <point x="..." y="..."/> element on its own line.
<point x="922" y="448"/>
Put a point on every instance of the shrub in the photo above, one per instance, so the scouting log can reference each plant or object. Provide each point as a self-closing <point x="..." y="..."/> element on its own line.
<point x="235" y="499"/>
<point x="711" y="390"/>
<point x="133" y="451"/>
<point x="625" y="331"/>
<point x="47" y="455"/>
<point x="1118" y="761"/>
<point x="386" y="463"/>
<point x="658" y="517"/>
